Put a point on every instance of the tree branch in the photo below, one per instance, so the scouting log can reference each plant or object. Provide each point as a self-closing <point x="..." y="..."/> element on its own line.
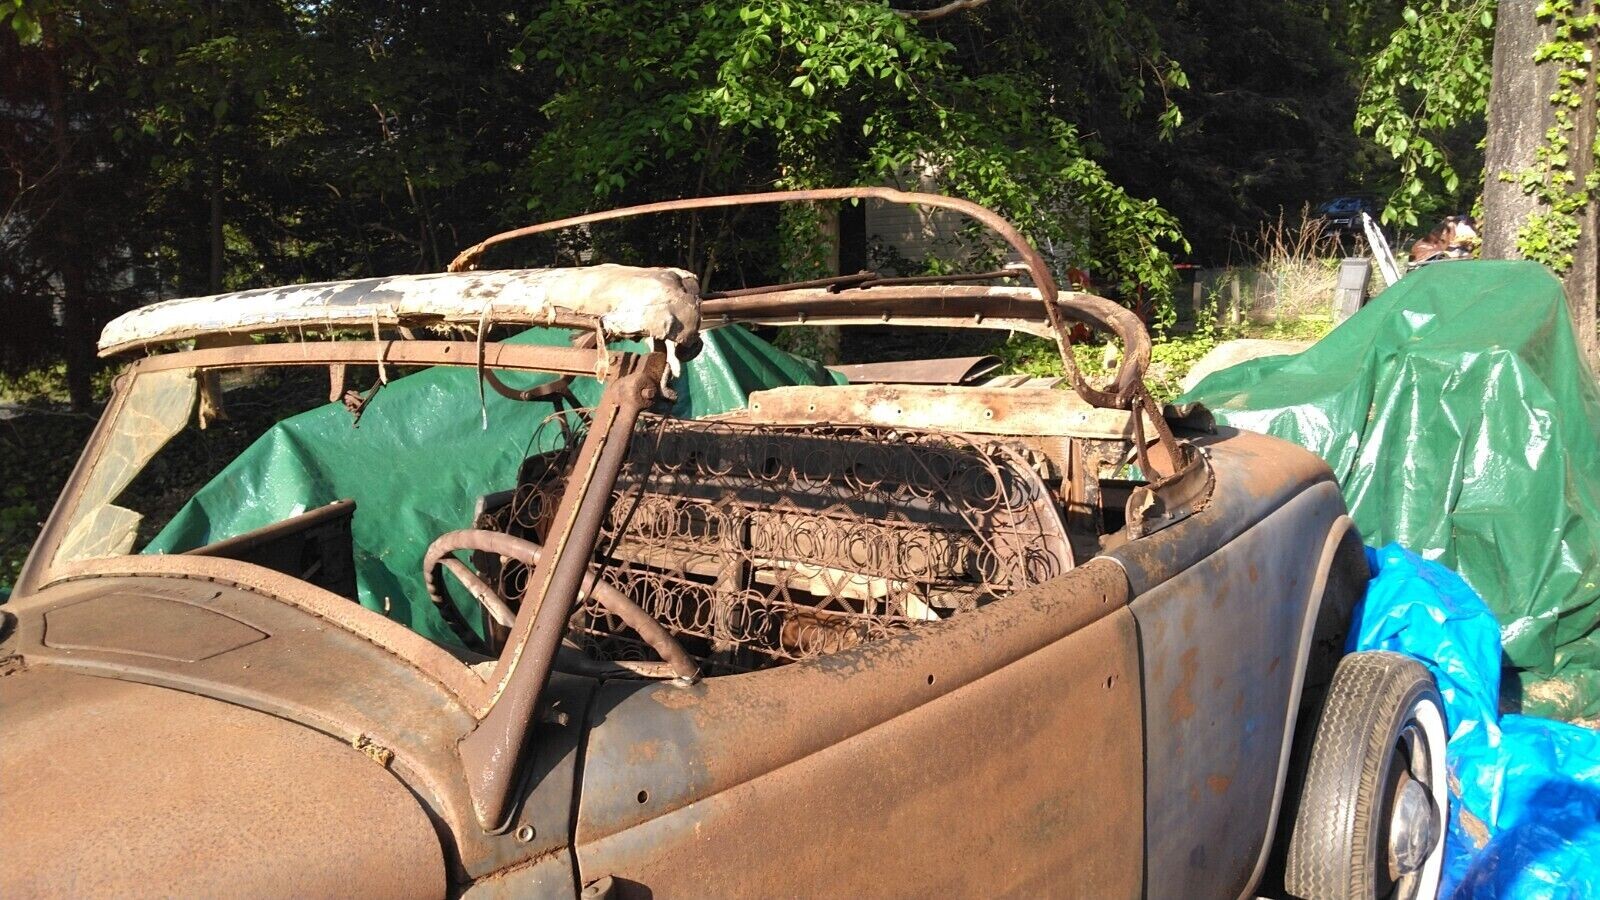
<point x="940" y="12"/>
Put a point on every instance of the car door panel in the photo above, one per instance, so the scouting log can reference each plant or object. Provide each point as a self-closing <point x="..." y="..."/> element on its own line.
<point x="997" y="755"/>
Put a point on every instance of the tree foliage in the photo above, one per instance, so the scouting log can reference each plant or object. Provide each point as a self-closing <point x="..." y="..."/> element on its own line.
<point x="1423" y="99"/>
<point x="678" y="99"/>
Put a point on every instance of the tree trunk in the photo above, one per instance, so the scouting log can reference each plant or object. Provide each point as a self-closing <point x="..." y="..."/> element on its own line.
<point x="214" y="280"/>
<point x="76" y="324"/>
<point x="1519" y="115"/>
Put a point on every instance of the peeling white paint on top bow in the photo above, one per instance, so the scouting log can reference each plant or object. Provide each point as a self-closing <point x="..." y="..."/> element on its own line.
<point x="629" y="301"/>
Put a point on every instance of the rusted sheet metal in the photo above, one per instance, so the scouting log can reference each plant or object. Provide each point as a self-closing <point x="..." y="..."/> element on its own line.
<point x="547" y="876"/>
<point x="973" y="410"/>
<point x="690" y="794"/>
<point x="1224" y="639"/>
<point x="859" y="689"/>
<point x="627" y="301"/>
<point x="957" y="370"/>
<point x="436" y="663"/>
<point x="328" y="676"/>
<point x="1254" y="474"/>
<point x="164" y="792"/>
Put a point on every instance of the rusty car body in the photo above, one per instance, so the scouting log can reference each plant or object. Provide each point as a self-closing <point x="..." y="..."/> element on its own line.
<point x="862" y="639"/>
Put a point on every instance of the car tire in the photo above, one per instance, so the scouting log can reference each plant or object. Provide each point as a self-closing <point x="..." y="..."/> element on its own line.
<point x="1372" y="810"/>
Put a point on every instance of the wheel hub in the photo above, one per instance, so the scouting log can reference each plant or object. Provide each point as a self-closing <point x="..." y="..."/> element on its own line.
<point x="1413" y="827"/>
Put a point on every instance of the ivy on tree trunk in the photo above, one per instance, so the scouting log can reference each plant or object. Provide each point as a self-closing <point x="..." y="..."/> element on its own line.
<point x="1540" y="199"/>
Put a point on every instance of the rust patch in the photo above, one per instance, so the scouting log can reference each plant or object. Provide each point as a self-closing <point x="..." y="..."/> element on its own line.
<point x="644" y="751"/>
<point x="11" y="665"/>
<point x="1254" y="574"/>
<point x="1218" y="784"/>
<point x="1273" y="666"/>
<point x="675" y="698"/>
<point x="380" y="754"/>
<point x="1182" y="702"/>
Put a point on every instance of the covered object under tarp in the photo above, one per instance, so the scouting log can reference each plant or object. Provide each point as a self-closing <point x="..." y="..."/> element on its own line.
<point x="425" y="451"/>
<point x="1462" y="422"/>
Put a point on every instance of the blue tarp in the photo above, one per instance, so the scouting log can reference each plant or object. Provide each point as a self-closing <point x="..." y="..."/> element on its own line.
<point x="1524" y="791"/>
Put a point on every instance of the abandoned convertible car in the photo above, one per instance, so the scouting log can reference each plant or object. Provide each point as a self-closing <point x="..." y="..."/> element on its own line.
<point x="561" y="582"/>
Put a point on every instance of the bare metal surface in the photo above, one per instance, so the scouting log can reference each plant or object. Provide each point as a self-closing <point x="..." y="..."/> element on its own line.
<point x="974" y="410"/>
<point x="997" y="753"/>
<point x="167" y="793"/>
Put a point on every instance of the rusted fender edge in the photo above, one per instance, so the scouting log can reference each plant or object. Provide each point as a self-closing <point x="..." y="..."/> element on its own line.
<point x="1342" y="527"/>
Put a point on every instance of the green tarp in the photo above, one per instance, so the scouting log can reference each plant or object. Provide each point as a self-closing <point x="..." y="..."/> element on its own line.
<point x="421" y="458"/>
<point x="1462" y="422"/>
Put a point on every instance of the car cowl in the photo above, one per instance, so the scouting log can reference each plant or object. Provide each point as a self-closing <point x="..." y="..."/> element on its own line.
<point x="119" y="786"/>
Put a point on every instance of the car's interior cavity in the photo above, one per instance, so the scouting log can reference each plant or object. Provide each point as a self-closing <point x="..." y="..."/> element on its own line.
<point x="754" y="539"/>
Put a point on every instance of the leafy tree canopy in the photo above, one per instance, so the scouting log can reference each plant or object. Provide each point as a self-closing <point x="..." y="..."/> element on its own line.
<point x="677" y="99"/>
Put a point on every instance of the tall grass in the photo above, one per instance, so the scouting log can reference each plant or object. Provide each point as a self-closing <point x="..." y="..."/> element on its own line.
<point x="1296" y="267"/>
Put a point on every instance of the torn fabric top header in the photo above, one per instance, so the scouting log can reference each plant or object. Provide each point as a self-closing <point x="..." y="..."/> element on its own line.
<point x="628" y="301"/>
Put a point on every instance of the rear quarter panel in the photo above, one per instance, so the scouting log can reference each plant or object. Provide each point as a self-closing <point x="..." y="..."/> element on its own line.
<point x="1226" y="605"/>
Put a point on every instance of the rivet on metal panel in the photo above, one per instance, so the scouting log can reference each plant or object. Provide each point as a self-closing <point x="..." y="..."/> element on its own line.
<point x="526" y="833"/>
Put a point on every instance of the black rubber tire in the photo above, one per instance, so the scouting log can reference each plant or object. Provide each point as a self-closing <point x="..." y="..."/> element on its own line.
<point x="1333" y="849"/>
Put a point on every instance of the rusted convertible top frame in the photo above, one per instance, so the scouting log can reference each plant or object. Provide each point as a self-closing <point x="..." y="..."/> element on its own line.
<point x="1126" y="391"/>
<point x="1123" y="392"/>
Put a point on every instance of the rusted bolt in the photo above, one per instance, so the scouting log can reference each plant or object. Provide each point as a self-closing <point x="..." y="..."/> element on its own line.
<point x="525" y="833"/>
